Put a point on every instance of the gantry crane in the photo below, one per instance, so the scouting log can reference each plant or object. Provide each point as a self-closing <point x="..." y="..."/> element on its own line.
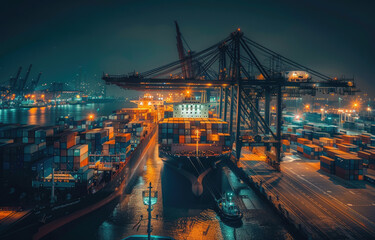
<point x="240" y="89"/>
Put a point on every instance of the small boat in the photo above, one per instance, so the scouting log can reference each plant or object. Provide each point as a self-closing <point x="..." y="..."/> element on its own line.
<point x="228" y="210"/>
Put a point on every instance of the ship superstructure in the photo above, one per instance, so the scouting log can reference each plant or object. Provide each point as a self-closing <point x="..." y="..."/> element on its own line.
<point x="191" y="142"/>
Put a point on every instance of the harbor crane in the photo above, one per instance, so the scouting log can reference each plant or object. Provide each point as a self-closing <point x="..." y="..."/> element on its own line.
<point x="241" y="90"/>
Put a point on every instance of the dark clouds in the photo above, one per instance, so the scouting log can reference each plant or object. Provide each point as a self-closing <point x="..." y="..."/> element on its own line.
<point x="334" y="37"/>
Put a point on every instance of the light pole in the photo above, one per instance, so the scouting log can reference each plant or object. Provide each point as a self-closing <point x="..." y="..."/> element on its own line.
<point x="340" y="117"/>
<point x="197" y="141"/>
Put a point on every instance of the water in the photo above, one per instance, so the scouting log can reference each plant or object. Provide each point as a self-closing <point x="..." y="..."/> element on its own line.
<point x="46" y="116"/>
<point x="120" y="218"/>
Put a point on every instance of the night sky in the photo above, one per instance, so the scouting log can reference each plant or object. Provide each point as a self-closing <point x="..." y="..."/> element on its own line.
<point x="60" y="37"/>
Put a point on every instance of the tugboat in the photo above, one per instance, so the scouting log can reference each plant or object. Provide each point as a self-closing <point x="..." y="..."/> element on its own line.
<point x="228" y="210"/>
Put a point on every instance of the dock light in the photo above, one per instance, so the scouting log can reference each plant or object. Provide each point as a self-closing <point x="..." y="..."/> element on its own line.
<point x="32" y="96"/>
<point x="78" y="96"/>
<point x="42" y="96"/>
<point x="297" y="117"/>
<point x="307" y="106"/>
<point x="369" y="109"/>
<point x="322" y="109"/>
<point x="197" y="132"/>
<point x="91" y="116"/>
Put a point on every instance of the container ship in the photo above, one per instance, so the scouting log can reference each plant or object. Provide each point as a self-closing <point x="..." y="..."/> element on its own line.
<point x="193" y="143"/>
<point x="74" y="166"/>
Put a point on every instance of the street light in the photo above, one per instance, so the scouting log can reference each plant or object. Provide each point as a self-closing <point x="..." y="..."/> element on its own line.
<point x="197" y="132"/>
<point x="307" y="107"/>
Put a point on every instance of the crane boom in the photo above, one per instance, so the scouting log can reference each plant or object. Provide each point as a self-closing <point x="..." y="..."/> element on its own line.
<point x="34" y="83"/>
<point x="23" y="82"/>
<point x="13" y="80"/>
<point x="181" y="53"/>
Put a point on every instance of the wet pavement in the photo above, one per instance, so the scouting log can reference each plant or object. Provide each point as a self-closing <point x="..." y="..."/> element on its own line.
<point x="193" y="220"/>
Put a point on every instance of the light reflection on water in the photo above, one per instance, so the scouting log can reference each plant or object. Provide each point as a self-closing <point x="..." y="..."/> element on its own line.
<point x="120" y="221"/>
<point x="47" y="115"/>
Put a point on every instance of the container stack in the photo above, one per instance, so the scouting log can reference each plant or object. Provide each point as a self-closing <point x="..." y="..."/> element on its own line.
<point x="81" y="156"/>
<point x="122" y="144"/>
<point x="365" y="139"/>
<point x="312" y="151"/>
<point x="184" y="131"/>
<point x="351" y="139"/>
<point x="368" y="157"/>
<point x="305" y="133"/>
<point x="110" y="132"/>
<point x="324" y="141"/>
<point x="63" y="142"/>
<point x="300" y="143"/>
<point x="348" y="147"/>
<point x="285" y="145"/>
<point x="292" y="128"/>
<point x="109" y="147"/>
<point x="318" y="135"/>
<point x="349" y="167"/>
<point x="168" y="114"/>
<point x="95" y="138"/>
<point x="332" y="152"/>
<point x="327" y="164"/>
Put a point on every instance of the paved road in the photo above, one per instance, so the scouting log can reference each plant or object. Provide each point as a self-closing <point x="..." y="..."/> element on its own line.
<point x="330" y="208"/>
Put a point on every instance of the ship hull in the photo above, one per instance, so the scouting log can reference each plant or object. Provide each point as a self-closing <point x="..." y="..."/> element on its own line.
<point x="51" y="218"/>
<point x="191" y="181"/>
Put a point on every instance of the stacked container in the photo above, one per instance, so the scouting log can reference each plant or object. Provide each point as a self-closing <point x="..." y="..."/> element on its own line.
<point x="327" y="164"/>
<point x="63" y="142"/>
<point x="300" y="143"/>
<point x="348" y="147"/>
<point x="285" y="145"/>
<point x="184" y="131"/>
<point x="81" y="157"/>
<point x="349" y="167"/>
<point x="351" y="139"/>
<point x="122" y="144"/>
<point x="95" y="138"/>
<point x="323" y="141"/>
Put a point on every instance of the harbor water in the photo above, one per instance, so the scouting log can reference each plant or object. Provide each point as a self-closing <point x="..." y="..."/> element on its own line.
<point x="46" y="116"/>
<point x="185" y="220"/>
